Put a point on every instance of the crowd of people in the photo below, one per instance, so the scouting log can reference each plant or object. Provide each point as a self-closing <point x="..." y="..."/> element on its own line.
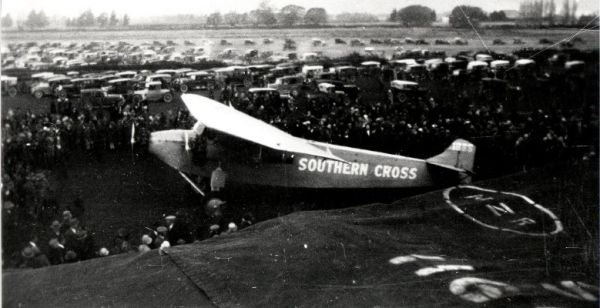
<point x="35" y="144"/>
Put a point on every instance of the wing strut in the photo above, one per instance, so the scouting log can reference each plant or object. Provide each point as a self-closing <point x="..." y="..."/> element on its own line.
<point x="196" y="188"/>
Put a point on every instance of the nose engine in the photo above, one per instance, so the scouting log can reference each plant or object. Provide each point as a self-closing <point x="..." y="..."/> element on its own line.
<point x="173" y="147"/>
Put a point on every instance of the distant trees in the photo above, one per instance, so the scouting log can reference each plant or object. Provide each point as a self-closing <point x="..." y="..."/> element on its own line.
<point x="214" y="19"/>
<point x="569" y="12"/>
<point x="7" y="21"/>
<point x="587" y="20"/>
<point x="36" y="20"/>
<point x="102" y="20"/>
<point x="113" y="21"/>
<point x="263" y="15"/>
<point x="463" y="16"/>
<point x="86" y="19"/>
<point x="498" y="16"/>
<point x="290" y="15"/>
<point x="544" y="12"/>
<point x="233" y="18"/>
<point x="315" y="16"/>
<point x="414" y="16"/>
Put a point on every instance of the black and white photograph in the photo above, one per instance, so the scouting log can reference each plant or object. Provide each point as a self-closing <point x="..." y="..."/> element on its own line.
<point x="300" y="153"/>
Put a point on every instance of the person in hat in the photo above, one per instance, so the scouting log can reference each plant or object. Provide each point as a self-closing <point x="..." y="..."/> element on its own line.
<point x="71" y="257"/>
<point x="66" y="221"/>
<point x="55" y="232"/>
<point x="213" y="208"/>
<point x="71" y="234"/>
<point x="178" y="232"/>
<point x="214" y="230"/>
<point x="146" y="242"/>
<point x="85" y="243"/>
<point x="161" y="233"/>
<point x="103" y="252"/>
<point x="56" y="252"/>
<point x="121" y="242"/>
<point x="33" y="258"/>
<point x="163" y="247"/>
<point x="231" y="228"/>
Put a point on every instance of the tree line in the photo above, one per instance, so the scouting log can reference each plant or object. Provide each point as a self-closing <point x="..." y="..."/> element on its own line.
<point x="103" y="20"/>
<point x="463" y="16"/>
<point x="540" y="12"/>
<point x="39" y="19"/>
<point x="266" y="15"/>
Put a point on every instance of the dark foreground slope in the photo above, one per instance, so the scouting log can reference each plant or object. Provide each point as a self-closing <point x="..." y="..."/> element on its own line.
<point x="533" y="247"/>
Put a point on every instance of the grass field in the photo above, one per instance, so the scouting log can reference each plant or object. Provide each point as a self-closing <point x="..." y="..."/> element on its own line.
<point x="211" y="38"/>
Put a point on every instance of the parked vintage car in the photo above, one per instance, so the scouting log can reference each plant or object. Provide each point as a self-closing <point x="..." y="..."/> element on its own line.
<point x="289" y="44"/>
<point x="330" y="86"/>
<point x="87" y="83"/>
<point x="126" y="74"/>
<point x="346" y="73"/>
<point x="98" y="98"/>
<point x="122" y="86"/>
<point x="263" y="93"/>
<point x="403" y="90"/>
<point x="152" y="92"/>
<point x="193" y="81"/>
<point x="9" y="85"/>
<point x="52" y="87"/>
<point x="287" y="84"/>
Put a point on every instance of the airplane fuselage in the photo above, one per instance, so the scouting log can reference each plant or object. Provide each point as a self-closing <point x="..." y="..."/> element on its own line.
<point x="360" y="168"/>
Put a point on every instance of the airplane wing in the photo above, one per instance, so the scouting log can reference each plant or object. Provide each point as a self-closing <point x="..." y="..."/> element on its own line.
<point x="236" y="123"/>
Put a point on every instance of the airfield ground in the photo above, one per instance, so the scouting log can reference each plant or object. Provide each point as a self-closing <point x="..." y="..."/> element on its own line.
<point x="383" y="254"/>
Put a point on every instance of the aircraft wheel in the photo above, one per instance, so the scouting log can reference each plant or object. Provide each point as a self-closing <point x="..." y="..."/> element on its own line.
<point x="12" y="91"/>
<point x="38" y="94"/>
<point x="167" y="98"/>
<point x="183" y="88"/>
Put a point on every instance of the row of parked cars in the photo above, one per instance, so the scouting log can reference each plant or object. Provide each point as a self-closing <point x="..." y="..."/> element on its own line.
<point x="402" y="75"/>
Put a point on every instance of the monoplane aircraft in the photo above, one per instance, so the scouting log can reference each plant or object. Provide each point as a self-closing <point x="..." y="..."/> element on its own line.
<point x="246" y="150"/>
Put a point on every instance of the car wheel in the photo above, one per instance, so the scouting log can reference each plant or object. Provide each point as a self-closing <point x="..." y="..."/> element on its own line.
<point x="38" y="94"/>
<point x="137" y="98"/>
<point x="167" y="98"/>
<point x="402" y="97"/>
<point x="12" y="91"/>
<point x="183" y="88"/>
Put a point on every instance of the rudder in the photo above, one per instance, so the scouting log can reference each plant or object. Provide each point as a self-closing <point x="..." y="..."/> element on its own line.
<point x="459" y="155"/>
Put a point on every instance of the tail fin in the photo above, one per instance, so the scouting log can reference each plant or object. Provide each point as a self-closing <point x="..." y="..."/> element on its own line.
<point x="460" y="156"/>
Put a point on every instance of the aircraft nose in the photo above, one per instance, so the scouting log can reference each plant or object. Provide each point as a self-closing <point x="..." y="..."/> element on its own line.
<point x="169" y="146"/>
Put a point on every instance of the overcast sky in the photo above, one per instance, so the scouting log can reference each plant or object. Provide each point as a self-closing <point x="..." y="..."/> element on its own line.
<point x="147" y="8"/>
